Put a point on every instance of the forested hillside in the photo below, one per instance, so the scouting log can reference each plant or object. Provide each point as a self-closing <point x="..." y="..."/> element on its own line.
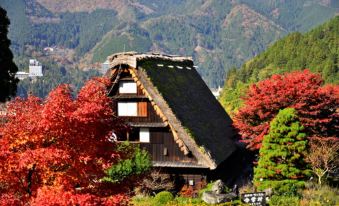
<point x="219" y="34"/>
<point x="316" y="50"/>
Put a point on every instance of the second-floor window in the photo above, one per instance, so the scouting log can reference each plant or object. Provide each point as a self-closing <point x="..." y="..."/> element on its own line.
<point x="132" y="109"/>
<point x="129" y="109"/>
<point x="127" y="87"/>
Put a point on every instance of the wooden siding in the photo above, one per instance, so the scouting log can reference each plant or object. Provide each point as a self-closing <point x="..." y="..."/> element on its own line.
<point x="182" y="177"/>
<point x="161" y="139"/>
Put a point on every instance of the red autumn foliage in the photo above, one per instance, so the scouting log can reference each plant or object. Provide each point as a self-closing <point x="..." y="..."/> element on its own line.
<point x="317" y="106"/>
<point x="54" y="152"/>
<point x="187" y="191"/>
<point x="55" y="196"/>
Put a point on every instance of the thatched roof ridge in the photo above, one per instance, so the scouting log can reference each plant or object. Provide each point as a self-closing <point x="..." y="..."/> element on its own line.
<point x="131" y="58"/>
<point x="176" y="90"/>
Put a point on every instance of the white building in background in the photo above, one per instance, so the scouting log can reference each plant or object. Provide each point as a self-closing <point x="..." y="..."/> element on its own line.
<point x="104" y="67"/>
<point x="35" y="68"/>
<point x="21" y="75"/>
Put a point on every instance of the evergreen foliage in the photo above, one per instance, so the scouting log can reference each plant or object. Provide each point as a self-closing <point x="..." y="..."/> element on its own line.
<point x="8" y="82"/>
<point x="281" y="163"/>
<point x="315" y="50"/>
<point x="137" y="162"/>
<point x="79" y="31"/>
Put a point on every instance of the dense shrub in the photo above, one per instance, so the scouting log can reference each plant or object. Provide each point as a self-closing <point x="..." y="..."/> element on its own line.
<point x="156" y="181"/>
<point x="207" y="188"/>
<point x="137" y="163"/>
<point x="163" y="197"/>
<point x="283" y="187"/>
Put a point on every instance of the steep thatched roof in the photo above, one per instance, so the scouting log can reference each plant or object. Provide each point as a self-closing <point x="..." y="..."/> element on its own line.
<point x="176" y="89"/>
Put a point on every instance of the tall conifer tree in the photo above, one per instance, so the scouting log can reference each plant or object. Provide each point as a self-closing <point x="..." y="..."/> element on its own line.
<point x="8" y="82"/>
<point x="281" y="164"/>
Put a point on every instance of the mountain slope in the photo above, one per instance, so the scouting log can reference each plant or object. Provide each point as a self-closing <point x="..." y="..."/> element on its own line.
<point x="317" y="50"/>
<point x="219" y="34"/>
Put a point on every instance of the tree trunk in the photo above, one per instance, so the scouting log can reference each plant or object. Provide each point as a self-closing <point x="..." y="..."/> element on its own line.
<point x="319" y="180"/>
<point x="30" y="179"/>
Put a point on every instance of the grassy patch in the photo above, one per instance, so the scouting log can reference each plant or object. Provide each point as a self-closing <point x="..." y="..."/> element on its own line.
<point x="178" y="201"/>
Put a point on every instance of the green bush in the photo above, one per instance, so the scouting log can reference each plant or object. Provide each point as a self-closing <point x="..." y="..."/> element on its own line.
<point x="284" y="201"/>
<point x="207" y="188"/>
<point x="163" y="197"/>
<point x="138" y="163"/>
<point x="283" y="187"/>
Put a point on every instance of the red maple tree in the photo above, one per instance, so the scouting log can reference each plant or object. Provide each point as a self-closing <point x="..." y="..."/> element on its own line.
<point x="54" y="152"/>
<point x="317" y="106"/>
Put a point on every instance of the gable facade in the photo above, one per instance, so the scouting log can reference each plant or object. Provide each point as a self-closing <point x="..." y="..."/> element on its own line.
<point x="147" y="128"/>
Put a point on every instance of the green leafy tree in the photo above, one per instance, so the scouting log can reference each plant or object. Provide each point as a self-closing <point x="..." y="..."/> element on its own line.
<point x="8" y="68"/>
<point x="281" y="163"/>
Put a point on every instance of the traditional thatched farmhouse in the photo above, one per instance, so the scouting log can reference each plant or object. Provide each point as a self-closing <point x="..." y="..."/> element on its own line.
<point x="172" y="113"/>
